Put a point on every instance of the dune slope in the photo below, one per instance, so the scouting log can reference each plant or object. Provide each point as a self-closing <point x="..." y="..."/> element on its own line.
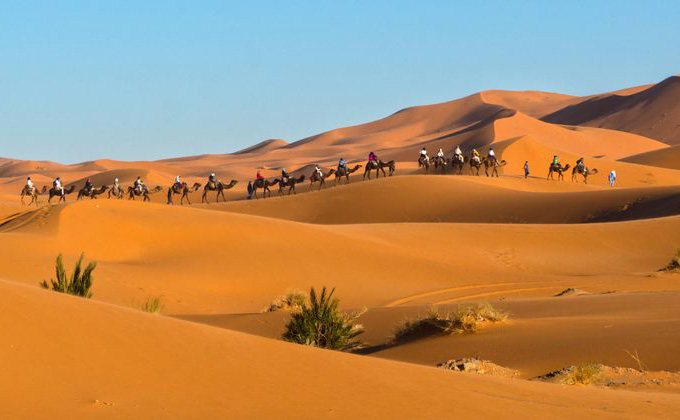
<point x="121" y="363"/>
<point x="653" y="112"/>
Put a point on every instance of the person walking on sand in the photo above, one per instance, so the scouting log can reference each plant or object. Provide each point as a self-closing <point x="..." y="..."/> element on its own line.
<point x="612" y="178"/>
<point x="526" y="169"/>
<point x="250" y="189"/>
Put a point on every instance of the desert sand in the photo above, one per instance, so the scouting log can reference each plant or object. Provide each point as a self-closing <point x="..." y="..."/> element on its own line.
<point x="394" y="246"/>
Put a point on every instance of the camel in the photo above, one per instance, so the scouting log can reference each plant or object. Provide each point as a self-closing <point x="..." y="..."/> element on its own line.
<point x="290" y="184"/>
<point x="439" y="163"/>
<point x="494" y="164"/>
<point x="343" y="171"/>
<point x="264" y="184"/>
<point x="93" y="193"/>
<point x="181" y="189"/>
<point x="116" y="190"/>
<point x="33" y="193"/>
<point x="320" y="178"/>
<point x="378" y="166"/>
<point x="54" y="192"/>
<point x="475" y="162"/>
<point x="557" y="167"/>
<point x="424" y="162"/>
<point x="134" y="192"/>
<point x="218" y="186"/>
<point x="583" y="170"/>
<point x="457" y="162"/>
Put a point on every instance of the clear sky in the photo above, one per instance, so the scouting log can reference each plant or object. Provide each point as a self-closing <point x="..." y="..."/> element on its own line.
<point x="133" y="80"/>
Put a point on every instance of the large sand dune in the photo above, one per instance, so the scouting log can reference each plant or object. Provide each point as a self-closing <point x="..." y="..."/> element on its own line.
<point x="394" y="245"/>
<point x="160" y="371"/>
<point x="653" y="112"/>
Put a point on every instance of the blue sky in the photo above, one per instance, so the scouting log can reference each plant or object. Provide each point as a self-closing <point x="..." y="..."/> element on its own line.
<point x="82" y="80"/>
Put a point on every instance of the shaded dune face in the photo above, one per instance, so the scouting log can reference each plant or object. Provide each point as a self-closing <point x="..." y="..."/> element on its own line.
<point x="575" y="265"/>
<point x="652" y="112"/>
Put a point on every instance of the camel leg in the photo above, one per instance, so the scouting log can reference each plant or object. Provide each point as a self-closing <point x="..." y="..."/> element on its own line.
<point x="203" y="200"/>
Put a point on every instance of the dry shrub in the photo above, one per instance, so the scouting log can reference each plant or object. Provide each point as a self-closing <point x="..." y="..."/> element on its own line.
<point x="466" y="319"/>
<point x="292" y="301"/>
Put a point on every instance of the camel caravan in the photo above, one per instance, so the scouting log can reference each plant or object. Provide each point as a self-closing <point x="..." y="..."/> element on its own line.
<point x="287" y="183"/>
<point x="457" y="162"/>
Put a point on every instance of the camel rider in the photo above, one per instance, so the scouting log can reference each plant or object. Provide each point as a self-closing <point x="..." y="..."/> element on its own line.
<point x="285" y="177"/>
<point x="139" y="185"/>
<point x="29" y="184"/>
<point x="581" y="164"/>
<point x="423" y="155"/>
<point x="318" y="170"/>
<point x="178" y="182"/>
<point x="492" y="155"/>
<point x="57" y="185"/>
<point x="212" y="179"/>
<point x="556" y="160"/>
<point x="440" y="153"/>
<point x="372" y="157"/>
<point x="259" y="176"/>
<point x="342" y="165"/>
<point x="475" y="155"/>
<point x="88" y="186"/>
<point x="116" y="184"/>
<point x="457" y="153"/>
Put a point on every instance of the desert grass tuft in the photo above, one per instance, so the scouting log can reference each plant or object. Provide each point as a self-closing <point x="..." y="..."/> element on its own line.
<point x="292" y="301"/>
<point x="582" y="374"/>
<point x="462" y="320"/>
<point x="153" y="304"/>
<point x="674" y="264"/>
<point x="320" y="323"/>
<point x="78" y="284"/>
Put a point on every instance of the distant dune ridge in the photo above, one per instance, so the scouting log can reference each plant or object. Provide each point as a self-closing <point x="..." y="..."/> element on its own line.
<point x="611" y="126"/>
<point x="395" y="246"/>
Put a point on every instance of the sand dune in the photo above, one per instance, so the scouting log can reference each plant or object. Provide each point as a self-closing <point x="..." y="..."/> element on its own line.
<point x="543" y="334"/>
<point x="460" y="199"/>
<point x="149" y="249"/>
<point x="653" y="112"/>
<point x="663" y="158"/>
<point x="394" y="245"/>
<point x="81" y="338"/>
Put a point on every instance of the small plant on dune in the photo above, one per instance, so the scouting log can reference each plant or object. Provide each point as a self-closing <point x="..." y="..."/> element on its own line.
<point x="78" y="284"/>
<point x="292" y="301"/>
<point x="674" y="264"/>
<point x="635" y="356"/>
<point x="467" y="319"/>
<point x="153" y="304"/>
<point x="320" y="323"/>
<point x="582" y="374"/>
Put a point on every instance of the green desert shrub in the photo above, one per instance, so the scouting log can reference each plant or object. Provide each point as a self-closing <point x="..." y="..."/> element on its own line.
<point x="78" y="284"/>
<point x="320" y="323"/>
<point x="292" y="301"/>
<point x="465" y="319"/>
<point x="153" y="304"/>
